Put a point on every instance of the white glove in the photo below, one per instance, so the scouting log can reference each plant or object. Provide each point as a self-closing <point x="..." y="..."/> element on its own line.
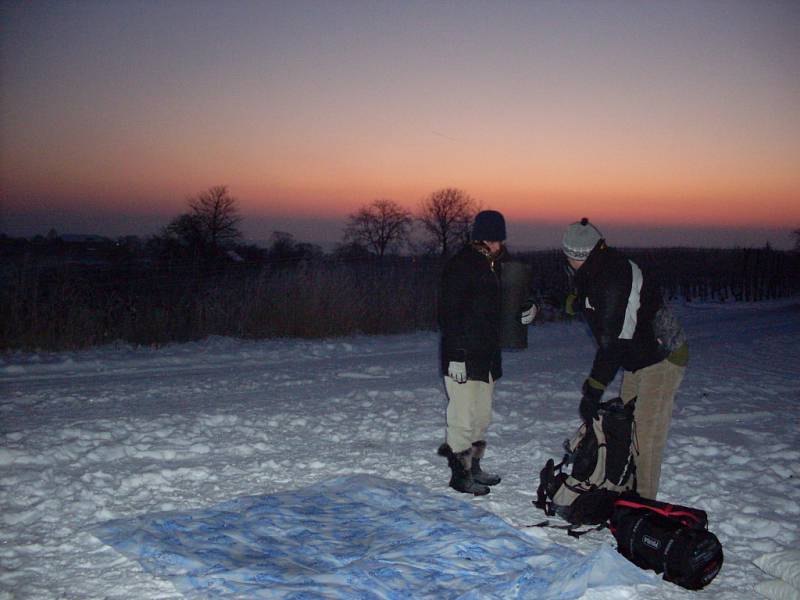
<point x="529" y="315"/>
<point x="457" y="371"/>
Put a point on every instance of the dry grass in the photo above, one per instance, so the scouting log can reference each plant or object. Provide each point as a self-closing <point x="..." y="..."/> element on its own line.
<point x="67" y="307"/>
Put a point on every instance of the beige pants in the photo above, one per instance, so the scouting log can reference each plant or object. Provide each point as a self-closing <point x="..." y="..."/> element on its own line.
<point x="469" y="412"/>
<point x="654" y="388"/>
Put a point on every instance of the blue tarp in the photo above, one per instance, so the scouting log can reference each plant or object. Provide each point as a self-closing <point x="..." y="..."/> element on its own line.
<point x="358" y="537"/>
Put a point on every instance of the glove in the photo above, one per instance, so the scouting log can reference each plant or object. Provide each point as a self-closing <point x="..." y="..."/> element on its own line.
<point x="457" y="371"/>
<point x="569" y="305"/>
<point x="528" y="314"/>
<point x="588" y="409"/>
<point x="590" y="402"/>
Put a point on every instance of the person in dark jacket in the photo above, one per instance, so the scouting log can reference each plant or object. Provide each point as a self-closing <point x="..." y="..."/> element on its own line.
<point x="469" y="315"/>
<point x="635" y="331"/>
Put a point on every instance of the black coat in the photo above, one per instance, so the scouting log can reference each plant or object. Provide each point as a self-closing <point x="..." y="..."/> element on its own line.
<point x="469" y="314"/>
<point x="619" y="303"/>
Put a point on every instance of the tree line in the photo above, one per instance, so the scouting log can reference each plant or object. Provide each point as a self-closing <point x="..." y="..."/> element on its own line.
<point x="196" y="278"/>
<point x="379" y="228"/>
<point x="209" y="231"/>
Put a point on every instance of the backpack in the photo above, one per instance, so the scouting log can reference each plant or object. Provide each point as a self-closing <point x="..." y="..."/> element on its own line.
<point x="602" y="461"/>
<point x="667" y="538"/>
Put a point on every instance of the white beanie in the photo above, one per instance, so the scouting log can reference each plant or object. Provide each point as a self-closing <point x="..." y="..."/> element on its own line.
<point x="580" y="238"/>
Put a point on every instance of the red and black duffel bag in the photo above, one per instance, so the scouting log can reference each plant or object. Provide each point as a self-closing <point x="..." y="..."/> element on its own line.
<point x="667" y="538"/>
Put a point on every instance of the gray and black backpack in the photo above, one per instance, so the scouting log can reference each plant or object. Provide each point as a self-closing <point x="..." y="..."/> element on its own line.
<point x="601" y="457"/>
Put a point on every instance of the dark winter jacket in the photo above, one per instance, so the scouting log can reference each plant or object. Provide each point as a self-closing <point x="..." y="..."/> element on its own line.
<point x="469" y="313"/>
<point x="626" y="313"/>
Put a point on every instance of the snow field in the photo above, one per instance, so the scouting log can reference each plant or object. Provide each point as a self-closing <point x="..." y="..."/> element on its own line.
<point x="119" y="431"/>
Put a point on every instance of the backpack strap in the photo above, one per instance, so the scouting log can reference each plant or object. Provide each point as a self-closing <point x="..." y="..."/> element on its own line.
<point x="682" y="514"/>
<point x="547" y="480"/>
<point x="571" y="530"/>
<point x="578" y="534"/>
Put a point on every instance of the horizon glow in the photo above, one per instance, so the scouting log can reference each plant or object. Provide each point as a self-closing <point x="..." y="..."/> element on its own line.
<point x="680" y="116"/>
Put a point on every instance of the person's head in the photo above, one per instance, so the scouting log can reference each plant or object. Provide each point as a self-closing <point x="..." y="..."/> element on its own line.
<point x="489" y="227"/>
<point x="579" y="240"/>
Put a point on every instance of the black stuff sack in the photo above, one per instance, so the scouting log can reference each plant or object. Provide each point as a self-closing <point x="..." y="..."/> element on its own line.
<point x="667" y="538"/>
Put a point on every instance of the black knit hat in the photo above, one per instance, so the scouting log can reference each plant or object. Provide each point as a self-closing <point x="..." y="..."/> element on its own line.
<point x="489" y="226"/>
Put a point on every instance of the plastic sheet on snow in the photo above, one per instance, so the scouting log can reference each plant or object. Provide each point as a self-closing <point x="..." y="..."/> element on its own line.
<point x="358" y="537"/>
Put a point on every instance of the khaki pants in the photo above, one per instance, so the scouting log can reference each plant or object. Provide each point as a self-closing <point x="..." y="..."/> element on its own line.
<point x="654" y="388"/>
<point x="469" y="412"/>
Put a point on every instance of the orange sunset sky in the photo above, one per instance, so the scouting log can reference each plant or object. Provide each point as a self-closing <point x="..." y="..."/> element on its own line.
<point x="665" y="122"/>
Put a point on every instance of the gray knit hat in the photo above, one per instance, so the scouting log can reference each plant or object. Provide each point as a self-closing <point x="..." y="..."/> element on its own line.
<point x="580" y="238"/>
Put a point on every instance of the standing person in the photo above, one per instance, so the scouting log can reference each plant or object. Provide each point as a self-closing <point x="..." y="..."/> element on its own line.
<point x="636" y="331"/>
<point x="470" y="321"/>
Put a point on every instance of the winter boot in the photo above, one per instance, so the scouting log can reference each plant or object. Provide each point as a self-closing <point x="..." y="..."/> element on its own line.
<point x="479" y="475"/>
<point x="460" y="465"/>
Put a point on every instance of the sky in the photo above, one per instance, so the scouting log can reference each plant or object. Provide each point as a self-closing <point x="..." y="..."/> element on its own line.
<point x="666" y="123"/>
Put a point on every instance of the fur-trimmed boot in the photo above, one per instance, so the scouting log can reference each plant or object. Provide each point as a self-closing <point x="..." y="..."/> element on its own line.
<point x="461" y="467"/>
<point x="478" y="474"/>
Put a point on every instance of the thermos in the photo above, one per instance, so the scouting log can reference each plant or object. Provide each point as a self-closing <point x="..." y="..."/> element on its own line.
<point x="515" y="281"/>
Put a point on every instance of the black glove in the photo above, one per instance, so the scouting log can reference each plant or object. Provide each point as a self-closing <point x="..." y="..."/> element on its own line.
<point x="589" y="409"/>
<point x="590" y="402"/>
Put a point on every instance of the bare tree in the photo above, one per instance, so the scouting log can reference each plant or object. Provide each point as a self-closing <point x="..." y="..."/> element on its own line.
<point x="216" y="211"/>
<point x="209" y="226"/>
<point x="380" y="226"/>
<point x="186" y="229"/>
<point x="445" y="216"/>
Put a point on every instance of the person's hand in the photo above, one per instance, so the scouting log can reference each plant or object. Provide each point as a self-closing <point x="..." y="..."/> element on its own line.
<point x="528" y="314"/>
<point x="590" y="402"/>
<point x="457" y="371"/>
<point x="569" y="305"/>
<point x="588" y="409"/>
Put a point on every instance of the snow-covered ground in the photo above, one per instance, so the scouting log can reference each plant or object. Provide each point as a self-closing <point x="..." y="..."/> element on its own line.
<point x="119" y="431"/>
